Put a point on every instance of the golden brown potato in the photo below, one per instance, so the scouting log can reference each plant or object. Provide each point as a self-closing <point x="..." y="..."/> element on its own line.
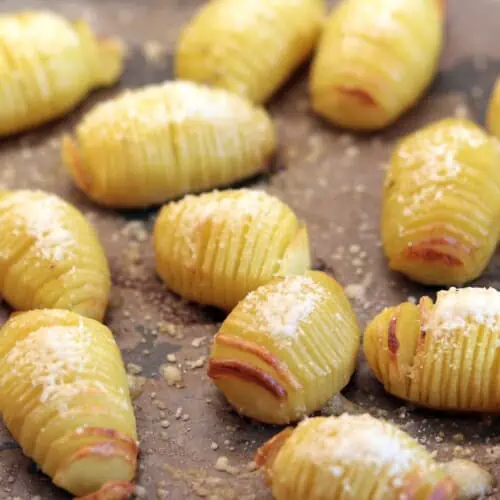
<point x="286" y="349"/>
<point x="351" y="458"/>
<point x="50" y="256"/>
<point x="375" y="59"/>
<point x="154" y="144"/>
<point x="64" y="397"/>
<point x="216" y="248"/>
<point x="443" y="355"/>
<point x="48" y="65"/>
<point x="441" y="208"/>
<point x="249" y="47"/>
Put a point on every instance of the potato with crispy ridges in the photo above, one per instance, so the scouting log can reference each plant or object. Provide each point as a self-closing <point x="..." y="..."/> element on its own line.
<point x="351" y="458"/>
<point x="160" y="142"/>
<point x="250" y="47"/>
<point x="217" y="247"/>
<point x="493" y="113"/>
<point x="48" y="65"/>
<point x="286" y="349"/>
<point x="375" y="59"/>
<point x="64" y="397"/>
<point x="443" y="355"/>
<point x="441" y="205"/>
<point x="50" y="256"/>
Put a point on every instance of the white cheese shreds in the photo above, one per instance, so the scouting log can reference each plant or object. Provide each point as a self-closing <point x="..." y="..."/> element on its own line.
<point x="280" y="311"/>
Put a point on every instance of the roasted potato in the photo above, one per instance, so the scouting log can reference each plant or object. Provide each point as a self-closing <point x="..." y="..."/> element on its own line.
<point x="157" y="143"/>
<point x="50" y="256"/>
<point x="64" y="397"/>
<point x="48" y="65"/>
<point x="249" y="47"/>
<point x="217" y="247"/>
<point x="441" y="208"/>
<point x="375" y="59"/>
<point x="286" y="349"/>
<point x="351" y="458"/>
<point x="443" y="355"/>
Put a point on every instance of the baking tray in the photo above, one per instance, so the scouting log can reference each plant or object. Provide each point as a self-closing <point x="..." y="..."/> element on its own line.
<point x="332" y="179"/>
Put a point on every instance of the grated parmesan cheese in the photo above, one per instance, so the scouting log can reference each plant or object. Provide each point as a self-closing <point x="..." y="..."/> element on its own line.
<point x="281" y="311"/>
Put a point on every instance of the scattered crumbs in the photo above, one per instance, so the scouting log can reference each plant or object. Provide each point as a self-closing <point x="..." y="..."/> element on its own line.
<point x="140" y="492"/>
<point x="357" y="291"/>
<point x="198" y="363"/>
<point x="412" y="299"/>
<point x="165" y="424"/>
<point x="185" y="417"/>
<point x="168" y="328"/>
<point x="153" y="51"/>
<point x="178" y="413"/>
<point x="458" y="438"/>
<point x="199" y="341"/>
<point x="222" y="465"/>
<point x="471" y="480"/>
<point x="136" y="385"/>
<point x="214" y="446"/>
<point x="351" y="152"/>
<point x="171" y="358"/>
<point x="354" y="248"/>
<point x="461" y="111"/>
<point x="134" y="369"/>
<point x="171" y="374"/>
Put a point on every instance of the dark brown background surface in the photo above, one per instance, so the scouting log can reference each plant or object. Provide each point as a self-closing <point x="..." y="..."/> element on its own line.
<point x="331" y="179"/>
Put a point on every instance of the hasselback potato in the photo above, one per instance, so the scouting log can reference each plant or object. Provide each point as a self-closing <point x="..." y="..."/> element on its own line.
<point x="441" y="208"/>
<point x="50" y="256"/>
<point x="493" y="113"/>
<point x="154" y="144"/>
<point x="64" y="397"/>
<point x="48" y="65"/>
<point x="375" y="59"/>
<point x="217" y="247"/>
<point x="248" y="46"/>
<point x="286" y="349"/>
<point x="443" y="355"/>
<point x="351" y="458"/>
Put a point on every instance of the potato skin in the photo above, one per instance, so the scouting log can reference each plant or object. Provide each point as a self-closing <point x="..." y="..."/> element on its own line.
<point x="443" y="355"/>
<point x="48" y="65"/>
<point x="50" y="256"/>
<point x="351" y="458"/>
<point x="217" y="247"/>
<point x="64" y="397"/>
<point x="249" y="47"/>
<point x="286" y="349"/>
<point x="375" y="59"/>
<point x="441" y="205"/>
<point x="157" y="143"/>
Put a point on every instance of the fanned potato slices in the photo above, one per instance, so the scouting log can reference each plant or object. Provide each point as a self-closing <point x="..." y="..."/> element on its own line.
<point x="286" y="349"/>
<point x="441" y="205"/>
<point x="351" y="458"/>
<point x="250" y="47"/>
<point x="154" y="144"/>
<point x="375" y="59"/>
<point x="64" y="397"/>
<point x="444" y="355"/>
<point x="217" y="247"/>
<point x="48" y="65"/>
<point x="50" y="256"/>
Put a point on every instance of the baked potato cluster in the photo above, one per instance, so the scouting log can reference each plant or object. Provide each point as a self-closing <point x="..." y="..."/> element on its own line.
<point x="291" y="339"/>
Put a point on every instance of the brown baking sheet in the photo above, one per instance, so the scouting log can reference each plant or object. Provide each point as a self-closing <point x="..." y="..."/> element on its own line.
<point x="332" y="179"/>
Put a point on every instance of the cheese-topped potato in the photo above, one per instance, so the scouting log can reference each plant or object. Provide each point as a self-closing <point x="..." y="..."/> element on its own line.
<point x="441" y="203"/>
<point x="50" y="256"/>
<point x="351" y="458"/>
<point x="250" y="47"/>
<point x="286" y="349"/>
<point x="444" y="355"/>
<point x="48" y="65"/>
<point x="64" y="397"/>
<point x="217" y="247"/>
<point x="375" y="59"/>
<point x="157" y="143"/>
